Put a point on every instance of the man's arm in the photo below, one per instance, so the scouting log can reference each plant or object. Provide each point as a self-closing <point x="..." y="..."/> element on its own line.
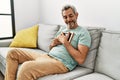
<point x="78" y="54"/>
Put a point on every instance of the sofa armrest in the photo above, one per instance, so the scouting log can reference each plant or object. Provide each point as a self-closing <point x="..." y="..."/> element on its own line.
<point x="5" y="43"/>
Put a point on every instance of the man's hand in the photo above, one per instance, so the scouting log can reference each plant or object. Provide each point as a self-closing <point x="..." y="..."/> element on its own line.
<point x="55" y="42"/>
<point x="62" y="38"/>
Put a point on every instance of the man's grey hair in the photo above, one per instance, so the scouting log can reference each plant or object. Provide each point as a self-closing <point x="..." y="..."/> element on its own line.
<point x="66" y="7"/>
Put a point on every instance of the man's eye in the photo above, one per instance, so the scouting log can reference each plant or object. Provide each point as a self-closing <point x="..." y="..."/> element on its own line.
<point x="71" y="16"/>
<point x="65" y="17"/>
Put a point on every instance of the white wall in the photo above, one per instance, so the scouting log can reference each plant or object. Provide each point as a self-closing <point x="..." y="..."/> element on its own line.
<point x="100" y="13"/>
<point x="26" y="13"/>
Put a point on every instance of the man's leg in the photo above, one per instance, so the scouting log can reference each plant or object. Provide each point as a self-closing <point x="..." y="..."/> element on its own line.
<point x="42" y="66"/>
<point x="15" y="57"/>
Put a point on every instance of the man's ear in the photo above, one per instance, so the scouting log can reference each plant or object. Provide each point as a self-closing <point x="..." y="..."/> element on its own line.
<point x="77" y="15"/>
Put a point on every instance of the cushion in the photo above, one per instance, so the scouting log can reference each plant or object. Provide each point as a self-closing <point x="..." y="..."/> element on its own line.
<point x="46" y="33"/>
<point x="94" y="76"/>
<point x="95" y="34"/>
<point x="77" y="72"/>
<point x="26" y="38"/>
<point x="4" y="52"/>
<point x="108" y="59"/>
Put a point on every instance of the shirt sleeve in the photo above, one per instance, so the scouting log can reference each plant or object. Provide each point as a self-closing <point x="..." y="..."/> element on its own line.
<point x="85" y="38"/>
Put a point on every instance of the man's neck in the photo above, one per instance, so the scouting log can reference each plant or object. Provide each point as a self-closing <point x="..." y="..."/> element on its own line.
<point x="75" y="26"/>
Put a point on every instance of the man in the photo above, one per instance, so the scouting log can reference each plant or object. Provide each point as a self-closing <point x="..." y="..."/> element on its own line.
<point x="63" y="56"/>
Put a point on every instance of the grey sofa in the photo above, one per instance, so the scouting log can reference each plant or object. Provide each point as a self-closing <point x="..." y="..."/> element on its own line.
<point x="102" y="62"/>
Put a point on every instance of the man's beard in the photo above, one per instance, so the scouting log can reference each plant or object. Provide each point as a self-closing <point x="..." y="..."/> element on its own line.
<point x="71" y="24"/>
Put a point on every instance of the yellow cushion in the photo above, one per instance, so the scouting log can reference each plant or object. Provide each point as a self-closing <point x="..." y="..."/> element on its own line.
<point x="26" y="38"/>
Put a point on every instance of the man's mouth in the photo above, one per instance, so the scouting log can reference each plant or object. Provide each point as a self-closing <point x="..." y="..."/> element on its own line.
<point x="71" y="24"/>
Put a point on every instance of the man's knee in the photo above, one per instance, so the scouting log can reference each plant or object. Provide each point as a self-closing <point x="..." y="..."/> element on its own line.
<point x="11" y="53"/>
<point x="25" y="66"/>
<point x="24" y="72"/>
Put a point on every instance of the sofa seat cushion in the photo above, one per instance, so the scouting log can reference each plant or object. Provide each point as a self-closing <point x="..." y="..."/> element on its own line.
<point x="4" y="51"/>
<point x="108" y="59"/>
<point x="77" y="72"/>
<point x="94" y="76"/>
<point x="2" y="68"/>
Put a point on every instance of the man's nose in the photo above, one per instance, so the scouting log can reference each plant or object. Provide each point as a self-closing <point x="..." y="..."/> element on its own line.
<point x="69" y="19"/>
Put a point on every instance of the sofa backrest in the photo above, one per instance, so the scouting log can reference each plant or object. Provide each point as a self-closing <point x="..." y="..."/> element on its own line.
<point x="95" y="33"/>
<point x="108" y="58"/>
<point x="46" y="33"/>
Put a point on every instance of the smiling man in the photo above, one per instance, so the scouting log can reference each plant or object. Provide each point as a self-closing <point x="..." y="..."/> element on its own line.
<point x="63" y="57"/>
<point x="74" y="52"/>
<point x="70" y="16"/>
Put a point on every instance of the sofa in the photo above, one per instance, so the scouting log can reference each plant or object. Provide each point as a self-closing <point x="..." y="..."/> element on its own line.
<point x="102" y="62"/>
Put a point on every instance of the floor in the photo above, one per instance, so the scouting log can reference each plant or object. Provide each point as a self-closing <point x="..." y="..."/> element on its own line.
<point x="1" y="76"/>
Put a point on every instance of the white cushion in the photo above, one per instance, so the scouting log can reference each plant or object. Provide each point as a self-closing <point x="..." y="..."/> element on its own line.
<point x="4" y="52"/>
<point x="108" y="60"/>
<point x="94" y="76"/>
<point x="46" y="33"/>
<point x="77" y="72"/>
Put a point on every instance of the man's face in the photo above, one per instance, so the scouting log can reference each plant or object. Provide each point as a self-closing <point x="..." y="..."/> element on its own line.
<point x="70" y="18"/>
